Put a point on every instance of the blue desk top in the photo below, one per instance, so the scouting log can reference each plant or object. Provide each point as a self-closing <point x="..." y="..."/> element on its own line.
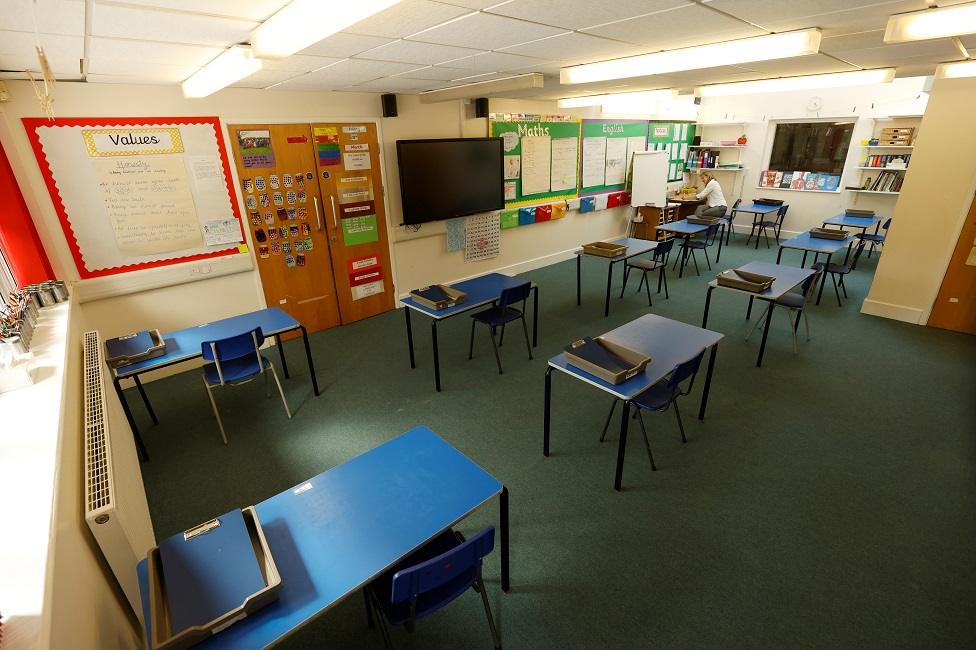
<point x="684" y="228"/>
<point x="787" y="277"/>
<point x="332" y="534"/>
<point x="853" y="222"/>
<point x="634" y="246"/>
<point x="757" y="208"/>
<point x="182" y="345"/>
<point x="481" y="291"/>
<point x="805" y="242"/>
<point x="667" y="342"/>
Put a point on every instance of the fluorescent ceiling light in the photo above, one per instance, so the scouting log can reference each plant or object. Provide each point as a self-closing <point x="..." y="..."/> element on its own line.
<point x="757" y="48"/>
<point x="806" y="82"/>
<point x="301" y="23"/>
<point x="648" y="96"/>
<point x="484" y="88"/>
<point x="931" y="23"/>
<point x="956" y="70"/>
<point x="230" y="66"/>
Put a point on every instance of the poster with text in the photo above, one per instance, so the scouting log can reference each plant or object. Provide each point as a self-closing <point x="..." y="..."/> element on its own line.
<point x="541" y="159"/>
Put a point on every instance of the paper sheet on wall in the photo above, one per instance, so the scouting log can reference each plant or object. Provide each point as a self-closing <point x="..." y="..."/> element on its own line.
<point x="536" y="164"/>
<point x="594" y="161"/>
<point x="148" y="201"/>
<point x="616" y="171"/>
<point x="562" y="175"/>
<point x="638" y="143"/>
<point x="512" y="167"/>
<point x="455" y="234"/>
<point x="221" y="231"/>
<point x="600" y="201"/>
<point x="481" y="236"/>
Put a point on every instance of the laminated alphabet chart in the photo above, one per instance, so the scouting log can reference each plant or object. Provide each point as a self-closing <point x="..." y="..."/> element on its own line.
<point x="541" y="157"/>
<point x="608" y="148"/>
<point x="138" y="193"/>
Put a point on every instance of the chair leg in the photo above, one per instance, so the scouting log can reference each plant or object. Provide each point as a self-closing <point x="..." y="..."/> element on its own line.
<point x="761" y="319"/>
<point x="267" y="386"/>
<point x="471" y="344"/>
<point x="609" y="417"/>
<point x="647" y="443"/>
<point x="664" y="274"/>
<point x="384" y="629"/>
<point x="843" y="286"/>
<point x="789" y="316"/>
<point x="491" y="621"/>
<point x="647" y="289"/>
<point x="369" y="609"/>
<point x="525" y="330"/>
<point x="806" y="323"/>
<point x="280" y="391"/>
<point x="213" y="405"/>
<point x="640" y="285"/>
<point x="626" y="276"/>
<point x="501" y="339"/>
<point x="707" y="261"/>
<point x="833" y="278"/>
<point x="694" y="258"/>
<point x="681" y="427"/>
<point x="494" y="346"/>
<point x="766" y="236"/>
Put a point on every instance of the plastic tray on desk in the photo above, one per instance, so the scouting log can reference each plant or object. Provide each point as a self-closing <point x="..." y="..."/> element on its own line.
<point x="744" y="280"/>
<point x="604" y="249"/>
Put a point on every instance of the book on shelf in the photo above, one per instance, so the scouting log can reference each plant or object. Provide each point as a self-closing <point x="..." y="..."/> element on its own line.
<point x="786" y="181"/>
<point x="799" y="180"/>
<point x="887" y="181"/>
<point x="899" y="161"/>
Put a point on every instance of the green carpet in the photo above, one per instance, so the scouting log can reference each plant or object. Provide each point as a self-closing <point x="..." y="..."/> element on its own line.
<point x="826" y="501"/>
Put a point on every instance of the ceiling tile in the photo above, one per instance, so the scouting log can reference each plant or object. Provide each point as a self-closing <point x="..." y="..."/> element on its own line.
<point x="258" y="10"/>
<point x="472" y="4"/>
<point x="343" y="45"/>
<point x="486" y="32"/>
<point x="128" y="79"/>
<point x="684" y="27"/>
<point x="889" y="55"/>
<point x="577" y="14"/>
<point x="419" y="53"/>
<point x="146" y="72"/>
<point x="855" y="41"/>
<point x="580" y="48"/>
<point x="493" y="62"/>
<point x="264" y="78"/>
<point x="110" y="49"/>
<point x="395" y="85"/>
<point x="349" y="73"/>
<point x="297" y="63"/>
<point x="407" y="17"/>
<point x="66" y="17"/>
<point x="64" y="53"/>
<point x="850" y="21"/>
<point x="813" y="64"/>
<point x="432" y="73"/>
<point x="168" y="27"/>
<point x="764" y="12"/>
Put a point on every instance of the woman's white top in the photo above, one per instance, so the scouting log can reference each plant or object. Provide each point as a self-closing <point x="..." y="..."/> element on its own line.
<point x="712" y="193"/>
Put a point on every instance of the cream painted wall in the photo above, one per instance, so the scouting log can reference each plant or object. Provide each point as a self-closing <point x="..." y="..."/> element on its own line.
<point x="932" y="208"/>
<point x="418" y="258"/>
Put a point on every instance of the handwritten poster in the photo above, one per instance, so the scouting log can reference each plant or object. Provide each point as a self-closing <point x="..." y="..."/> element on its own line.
<point x="594" y="161"/>
<point x="562" y="175"/>
<point x="536" y="164"/>
<point x="616" y="169"/>
<point x="148" y="200"/>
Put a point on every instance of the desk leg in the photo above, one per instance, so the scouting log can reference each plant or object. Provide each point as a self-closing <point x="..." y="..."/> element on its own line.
<point x="779" y="255"/>
<point x="281" y="355"/>
<point x="535" y="316"/>
<point x="437" y="358"/>
<point x="622" y="446"/>
<point x="684" y="256"/>
<point x="503" y="530"/>
<point x="145" y="399"/>
<point x="762" y="346"/>
<point x="721" y="236"/>
<point x="406" y="313"/>
<point x="308" y="358"/>
<point x="708" y="301"/>
<point x="606" y="302"/>
<point x="749" y="308"/>
<point x="804" y="262"/>
<point x="823" y="281"/>
<point x="708" y="382"/>
<point x="143" y="454"/>
<point x="578" y="264"/>
<point x="546" y="415"/>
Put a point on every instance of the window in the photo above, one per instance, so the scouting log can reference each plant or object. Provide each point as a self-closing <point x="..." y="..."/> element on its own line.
<point x="811" y="147"/>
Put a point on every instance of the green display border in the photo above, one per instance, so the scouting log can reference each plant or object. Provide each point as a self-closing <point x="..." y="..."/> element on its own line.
<point x="594" y="128"/>
<point x="566" y="129"/>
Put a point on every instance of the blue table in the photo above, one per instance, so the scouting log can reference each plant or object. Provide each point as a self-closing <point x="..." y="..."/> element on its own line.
<point x="185" y="345"/>
<point x="758" y="211"/>
<point x="334" y="533"/>
<point x="482" y="290"/>
<point x="667" y="342"/>
<point x="787" y="277"/>
<point x="818" y="246"/>
<point x="687" y="230"/>
<point x="634" y="246"/>
<point x="844" y="221"/>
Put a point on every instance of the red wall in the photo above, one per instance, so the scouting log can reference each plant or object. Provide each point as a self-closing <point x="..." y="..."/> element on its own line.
<point x="18" y="238"/>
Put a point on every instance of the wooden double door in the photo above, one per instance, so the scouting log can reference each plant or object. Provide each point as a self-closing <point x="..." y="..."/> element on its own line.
<point x="313" y="200"/>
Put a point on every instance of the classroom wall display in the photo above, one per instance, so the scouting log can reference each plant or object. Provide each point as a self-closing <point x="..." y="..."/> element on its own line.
<point x="138" y="193"/>
<point x="608" y="147"/>
<point x="675" y="138"/>
<point x="800" y="180"/>
<point x="541" y="157"/>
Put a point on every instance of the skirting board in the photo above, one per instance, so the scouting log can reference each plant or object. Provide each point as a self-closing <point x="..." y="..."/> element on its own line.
<point x="894" y="312"/>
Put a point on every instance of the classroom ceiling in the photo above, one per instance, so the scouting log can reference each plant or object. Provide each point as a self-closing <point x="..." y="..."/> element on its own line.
<point x="420" y="45"/>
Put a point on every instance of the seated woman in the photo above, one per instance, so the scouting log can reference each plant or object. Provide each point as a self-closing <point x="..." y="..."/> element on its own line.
<point x="715" y="205"/>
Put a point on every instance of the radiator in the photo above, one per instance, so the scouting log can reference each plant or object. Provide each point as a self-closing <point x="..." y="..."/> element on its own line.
<point x="115" y="498"/>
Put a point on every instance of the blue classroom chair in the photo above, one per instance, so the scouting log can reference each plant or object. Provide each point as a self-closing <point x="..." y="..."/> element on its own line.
<point x="764" y="226"/>
<point x="659" y="262"/>
<point x="730" y="218"/>
<point x="501" y="314"/>
<point x="876" y="240"/>
<point x="429" y="579"/>
<point x="795" y="304"/>
<point x="839" y="271"/>
<point x="701" y="243"/>
<point x="659" y="397"/>
<point x="236" y="360"/>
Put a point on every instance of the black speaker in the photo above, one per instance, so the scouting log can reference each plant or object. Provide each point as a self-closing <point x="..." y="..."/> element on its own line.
<point x="697" y="101"/>
<point x="481" y="107"/>
<point x="696" y="141"/>
<point x="389" y="105"/>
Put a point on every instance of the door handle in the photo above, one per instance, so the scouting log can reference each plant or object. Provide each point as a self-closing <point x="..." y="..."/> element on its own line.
<point x="335" y="224"/>
<point x="318" y="216"/>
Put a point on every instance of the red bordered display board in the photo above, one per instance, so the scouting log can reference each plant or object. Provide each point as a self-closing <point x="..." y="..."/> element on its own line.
<point x="139" y="193"/>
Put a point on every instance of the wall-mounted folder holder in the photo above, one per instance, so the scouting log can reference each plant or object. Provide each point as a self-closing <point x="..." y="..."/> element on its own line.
<point x="205" y="579"/>
<point x="605" y="359"/>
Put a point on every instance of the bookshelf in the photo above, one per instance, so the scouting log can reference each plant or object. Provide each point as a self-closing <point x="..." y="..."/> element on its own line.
<point x="719" y="146"/>
<point x="872" y="192"/>
<point x="898" y="133"/>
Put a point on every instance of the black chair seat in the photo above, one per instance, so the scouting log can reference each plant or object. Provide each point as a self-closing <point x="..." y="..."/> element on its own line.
<point x="791" y="300"/>
<point x="832" y="268"/>
<point x="496" y="316"/>
<point x="649" y="265"/>
<point x="697" y="244"/>
<point x="870" y="237"/>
